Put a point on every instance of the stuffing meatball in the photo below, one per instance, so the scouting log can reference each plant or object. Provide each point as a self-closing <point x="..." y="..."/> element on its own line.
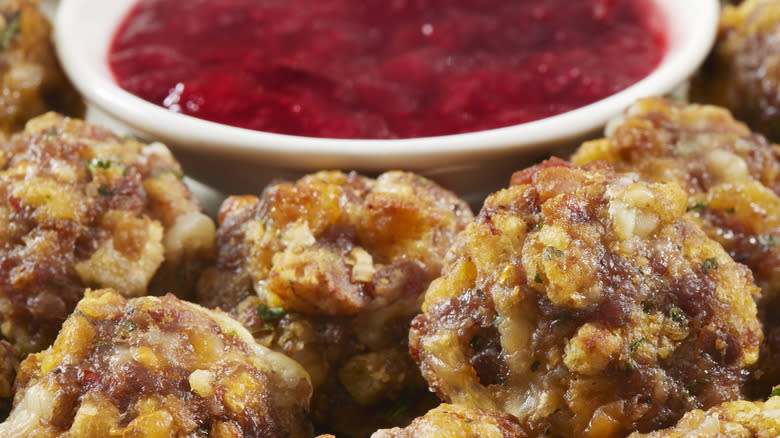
<point x="738" y="419"/>
<point x="732" y="179"/>
<point x="330" y="270"/>
<point x="157" y="367"/>
<point x="586" y="304"/>
<point x="31" y="81"/>
<point x="743" y="71"/>
<point x="454" y="421"/>
<point x="80" y="207"/>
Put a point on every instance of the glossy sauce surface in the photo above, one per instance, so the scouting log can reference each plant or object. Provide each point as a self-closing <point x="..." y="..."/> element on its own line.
<point x="379" y="68"/>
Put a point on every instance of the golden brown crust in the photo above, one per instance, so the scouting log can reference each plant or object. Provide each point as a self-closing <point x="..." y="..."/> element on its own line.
<point x="80" y="207"/>
<point x="738" y="419"/>
<point x="454" y="421"/>
<point x="31" y="81"/>
<point x="743" y="71"/>
<point x="586" y="304"/>
<point x="157" y="367"/>
<point x="336" y="265"/>
<point x="732" y="178"/>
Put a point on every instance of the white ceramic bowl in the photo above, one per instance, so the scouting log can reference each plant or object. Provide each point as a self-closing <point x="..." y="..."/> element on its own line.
<point x="239" y="160"/>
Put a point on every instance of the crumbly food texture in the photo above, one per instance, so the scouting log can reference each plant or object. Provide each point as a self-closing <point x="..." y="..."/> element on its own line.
<point x="732" y="179"/>
<point x="586" y="304"/>
<point x="330" y="270"/>
<point x="81" y="207"/>
<point x="157" y="367"/>
<point x="457" y="421"/>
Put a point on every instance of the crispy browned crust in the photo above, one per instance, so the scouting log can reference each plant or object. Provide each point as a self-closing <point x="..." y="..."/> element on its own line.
<point x="738" y="419"/>
<point x="455" y="421"/>
<point x="344" y="260"/>
<point x="586" y="304"/>
<point x="31" y="80"/>
<point x="80" y="207"/>
<point x="157" y="367"/>
<point x="732" y="178"/>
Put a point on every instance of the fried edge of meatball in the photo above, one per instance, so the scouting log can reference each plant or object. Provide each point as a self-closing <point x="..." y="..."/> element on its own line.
<point x="738" y="419"/>
<point x="83" y="207"/>
<point x="576" y="388"/>
<point x="212" y="363"/>
<point x="458" y="421"/>
<point x="732" y="177"/>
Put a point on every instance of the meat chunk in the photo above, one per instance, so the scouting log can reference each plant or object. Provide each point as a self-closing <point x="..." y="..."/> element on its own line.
<point x="738" y="419"/>
<point x="331" y="270"/>
<point x="458" y="422"/>
<point x="732" y="180"/>
<point x="585" y="303"/>
<point x="31" y="80"/>
<point x="157" y="367"/>
<point x="81" y="207"/>
<point x="743" y="71"/>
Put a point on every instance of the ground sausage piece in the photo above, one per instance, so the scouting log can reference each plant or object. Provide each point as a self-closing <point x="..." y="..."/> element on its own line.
<point x="586" y="304"/>
<point x="81" y="207"/>
<point x="732" y="179"/>
<point x="330" y="270"/>
<point x="157" y="367"/>
<point x="458" y="422"/>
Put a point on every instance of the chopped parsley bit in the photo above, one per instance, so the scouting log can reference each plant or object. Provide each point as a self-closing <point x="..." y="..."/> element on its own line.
<point x="636" y="344"/>
<point x="233" y="333"/>
<point x="709" y="264"/>
<point x="477" y="342"/>
<point x="399" y="407"/>
<point x="177" y="173"/>
<point x="694" y="387"/>
<point x="104" y="190"/>
<point x="97" y="163"/>
<point x="539" y="225"/>
<point x="54" y="283"/>
<point x="10" y="31"/>
<point x="767" y="241"/>
<point x="100" y="342"/>
<point x="677" y="315"/>
<point x="696" y="208"/>
<point x="51" y="132"/>
<point x="647" y="307"/>
<point x="775" y="392"/>
<point x="130" y="325"/>
<point x="629" y="368"/>
<point x="538" y="278"/>
<point x="552" y="253"/>
<point x="422" y="179"/>
<point x="269" y="314"/>
<point x="731" y="210"/>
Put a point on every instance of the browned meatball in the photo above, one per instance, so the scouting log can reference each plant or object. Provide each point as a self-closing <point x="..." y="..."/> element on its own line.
<point x="330" y="270"/>
<point x="738" y="419"/>
<point x="586" y="304"/>
<point x="454" y="421"/>
<point x="80" y="207"/>
<point x="31" y="81"/>
<point x="157" y="367"/>
<point x="743" y="71"/>
<point x="732" y="178"/>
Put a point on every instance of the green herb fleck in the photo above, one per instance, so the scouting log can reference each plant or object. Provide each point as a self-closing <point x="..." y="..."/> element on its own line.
<point x="677" y="315"/>
<point x="647" y="307"/>
<point x="767" y="241"/>
<point x="731" y="210"/>
<point x="104" y="190"/>
<point x="10" y="31"/>
<point x="636" y="344"/>
<point x="51" y="132"/>
<point x="177" y="173"/>
<point x="552" y="253"/>
<point x="709" y="264"/>
<point x="775" y="391"/>
<point x="697" y="207"/>
<point x="269" y="314"/>
<point x="97" y="163"/>
<point x="629" y="368"/>
<point x="129" y="325"/>
<point x="54" y="283"/>
<point x="477" y="342"/>
<point x="696" y="386"/>
<point x="539" y="225"/>
<point x="538" y="278"/>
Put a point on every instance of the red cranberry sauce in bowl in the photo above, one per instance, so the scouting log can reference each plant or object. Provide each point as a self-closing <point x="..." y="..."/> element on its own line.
<point x="383" y="69"/>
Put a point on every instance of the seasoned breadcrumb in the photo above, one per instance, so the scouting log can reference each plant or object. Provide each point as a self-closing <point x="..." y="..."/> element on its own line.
<point x="732" y="178"/>
<point x="454" y="421"/>
<point x="330" y="270"/>
<point x="31" y="81"/>
<point x="586" y="304"/>
<point x="738" y="419"/>
<point x="80" y="207"/>
<point x="157" y="367"/>
<point x="743" y="71"/>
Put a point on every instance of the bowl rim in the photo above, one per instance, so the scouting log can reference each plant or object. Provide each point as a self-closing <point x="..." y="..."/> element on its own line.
<point x="82" y="47"/>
